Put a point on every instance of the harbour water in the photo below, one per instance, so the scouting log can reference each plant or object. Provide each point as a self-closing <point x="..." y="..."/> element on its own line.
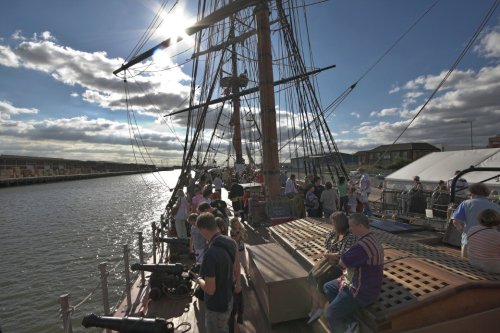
<point x="53" y="236"/>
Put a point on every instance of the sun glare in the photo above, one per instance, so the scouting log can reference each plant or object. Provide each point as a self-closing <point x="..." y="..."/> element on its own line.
<point x="174" y="25"/>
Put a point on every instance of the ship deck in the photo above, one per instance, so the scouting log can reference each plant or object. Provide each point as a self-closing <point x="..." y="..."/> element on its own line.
<point x="190" y="310"/>
<point x="425" y="284"/>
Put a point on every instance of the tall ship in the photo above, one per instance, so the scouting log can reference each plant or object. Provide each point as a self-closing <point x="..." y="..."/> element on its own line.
<point x="253" y="106"/>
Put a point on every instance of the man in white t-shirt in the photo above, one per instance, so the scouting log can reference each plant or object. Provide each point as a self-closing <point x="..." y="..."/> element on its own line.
<point x="218" y="183"/>
<point x="290" y="186"/>
<point x="365" y="189"/>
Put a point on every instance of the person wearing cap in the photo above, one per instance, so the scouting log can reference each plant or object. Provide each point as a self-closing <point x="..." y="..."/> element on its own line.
<point x="417" y="185"/>
<point x="365" y="189"/>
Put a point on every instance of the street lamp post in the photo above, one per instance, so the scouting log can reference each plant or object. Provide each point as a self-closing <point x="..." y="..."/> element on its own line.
<point x="471" y="142"/>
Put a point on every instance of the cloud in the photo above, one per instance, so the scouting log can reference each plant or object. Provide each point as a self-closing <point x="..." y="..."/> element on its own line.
<point x="489" y="45"/>
<point x="355" y="114"/>
<point x="93" y="72"/>
<point x="74" y="94"/>
<point x="46" y="35"/>
<point x="17" y="35"/>
<point x="385" y="112"/>
<point x="99" y="133"/>
<point x="474" y="97"/>
<point x="7" y="110"/>
<point x="394" y="90"/>
<point x="7" y="57"/>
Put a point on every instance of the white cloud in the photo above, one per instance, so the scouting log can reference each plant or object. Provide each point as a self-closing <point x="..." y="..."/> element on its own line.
<point x="385" y="112"/>
<point x="474" y="97"/>
<point x="74" y="94"/>
<point x="489" y="45"/>
<point x="46" y="35"/>
<point x="394" y="90"/>
<point x="7" y="110"/>
<point x="7" y="57"/>
<point x="17" y="35"/>
<point x="93" y="72"/>
<point x="355" y="114"/>
<point x="97" y="134"/>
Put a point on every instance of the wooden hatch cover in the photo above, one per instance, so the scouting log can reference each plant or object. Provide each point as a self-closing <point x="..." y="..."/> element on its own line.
<point x="423" y="285"/>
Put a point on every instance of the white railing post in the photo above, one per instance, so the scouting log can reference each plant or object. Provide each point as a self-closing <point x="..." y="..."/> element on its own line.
<point x="65" y="310"/>
<point x="127" y="276"/>
<point x="104" y="283"/>
<point x="153" y="227"/>
<point x="141" y="257"/>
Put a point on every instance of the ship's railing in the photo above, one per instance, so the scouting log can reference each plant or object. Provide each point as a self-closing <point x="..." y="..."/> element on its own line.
<point x="67" y="310"/>
<point x="415" y="202"/>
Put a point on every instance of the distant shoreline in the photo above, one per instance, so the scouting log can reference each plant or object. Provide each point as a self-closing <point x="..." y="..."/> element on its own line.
<point x="8" y="182"/>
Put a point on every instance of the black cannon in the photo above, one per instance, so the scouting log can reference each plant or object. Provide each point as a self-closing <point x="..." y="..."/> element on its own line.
<point x="174" y="240"/>
<point x="129" y="324"/>
<point x="166" y="279"/>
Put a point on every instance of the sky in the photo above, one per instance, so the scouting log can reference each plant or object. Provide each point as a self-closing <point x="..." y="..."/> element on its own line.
<point x="59" y="98"/>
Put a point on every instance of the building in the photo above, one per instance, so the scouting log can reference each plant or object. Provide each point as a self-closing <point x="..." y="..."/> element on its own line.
<point x="410" y="151"/>
<point x="494" y="142"/>
<point x="302" y="166"/>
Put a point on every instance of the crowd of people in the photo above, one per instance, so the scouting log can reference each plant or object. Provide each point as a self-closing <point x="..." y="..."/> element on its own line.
<point x="321" y="200"/>
<point x="355" y="257"/>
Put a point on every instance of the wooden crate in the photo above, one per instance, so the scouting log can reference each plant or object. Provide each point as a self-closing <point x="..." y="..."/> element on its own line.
<point x="280" y="283"/>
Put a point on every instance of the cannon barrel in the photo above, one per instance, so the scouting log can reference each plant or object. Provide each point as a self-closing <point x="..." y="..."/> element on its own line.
<point x="175" y="269"/>
<point x="174" y="240"/>
<point x="129" y="324"/>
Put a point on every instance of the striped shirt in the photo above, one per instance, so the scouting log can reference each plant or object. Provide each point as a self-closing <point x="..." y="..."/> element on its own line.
<point x="484" y="243"/>
<point x="366" y="259"/>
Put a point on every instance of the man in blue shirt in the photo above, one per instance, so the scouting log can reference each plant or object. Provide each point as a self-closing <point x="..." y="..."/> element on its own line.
<point x="466" y="214"/>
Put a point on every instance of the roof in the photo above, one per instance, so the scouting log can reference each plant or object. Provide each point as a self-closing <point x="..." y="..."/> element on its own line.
<point x="405" y="146"/>
<point x="442" y="165"/>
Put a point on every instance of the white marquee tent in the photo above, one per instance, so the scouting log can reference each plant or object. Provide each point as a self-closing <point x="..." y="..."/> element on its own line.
<point x="442" y="166"/>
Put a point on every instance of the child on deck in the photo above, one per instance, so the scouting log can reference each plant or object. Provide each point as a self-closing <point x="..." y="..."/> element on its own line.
<point x="197" y="244"/>
<point x="238" y="234"/>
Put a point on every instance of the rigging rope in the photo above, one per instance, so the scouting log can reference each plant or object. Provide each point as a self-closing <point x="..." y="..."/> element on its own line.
<point x="469" y="44"/>
<point x="338" y="100"/>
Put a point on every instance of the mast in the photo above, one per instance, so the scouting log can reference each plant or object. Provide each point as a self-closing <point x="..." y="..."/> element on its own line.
<point x="235" y="89"/>
<point x="270" y="163"/>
